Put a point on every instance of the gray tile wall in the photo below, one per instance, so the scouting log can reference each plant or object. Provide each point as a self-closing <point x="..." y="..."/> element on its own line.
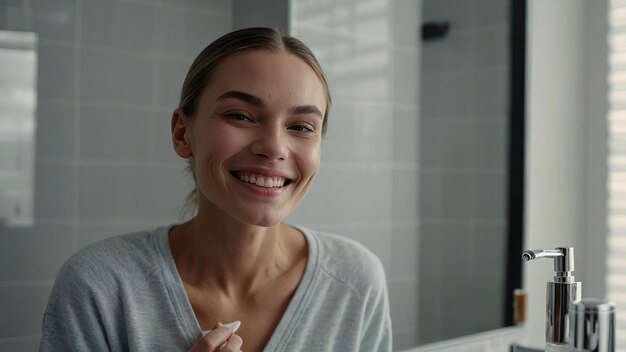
<point x="463" y="169"/>
<point x="110" y="73"/>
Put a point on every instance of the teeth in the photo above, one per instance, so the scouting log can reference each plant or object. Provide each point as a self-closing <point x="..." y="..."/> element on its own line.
<point x="261" y="181"/>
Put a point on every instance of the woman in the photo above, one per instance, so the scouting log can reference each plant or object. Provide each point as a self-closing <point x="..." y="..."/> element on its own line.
<point x="254" y="107"/>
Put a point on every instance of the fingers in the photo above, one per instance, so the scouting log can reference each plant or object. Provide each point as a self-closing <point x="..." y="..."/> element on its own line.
<point x="233" y="345"/>
<point x="212" y="341"/>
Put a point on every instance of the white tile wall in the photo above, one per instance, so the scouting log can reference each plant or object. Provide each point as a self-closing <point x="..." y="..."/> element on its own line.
<point x="367" y="188"/>
<point x="110" y="73"/>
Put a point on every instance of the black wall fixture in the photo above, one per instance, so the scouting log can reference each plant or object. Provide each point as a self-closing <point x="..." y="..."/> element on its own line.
<point x="435" y="30"/>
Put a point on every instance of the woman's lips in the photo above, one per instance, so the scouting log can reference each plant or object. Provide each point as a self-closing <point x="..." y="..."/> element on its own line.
<point x="261" y="180"/>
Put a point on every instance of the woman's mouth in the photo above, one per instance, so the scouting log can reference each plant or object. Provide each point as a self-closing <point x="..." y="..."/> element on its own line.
<point x="261" y="180"/>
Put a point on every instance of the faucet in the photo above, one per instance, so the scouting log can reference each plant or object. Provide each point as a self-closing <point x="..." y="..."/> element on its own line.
<point x="561" y="293"/>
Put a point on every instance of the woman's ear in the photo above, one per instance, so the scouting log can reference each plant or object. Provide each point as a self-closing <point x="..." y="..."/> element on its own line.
<point x="181" y="132"/>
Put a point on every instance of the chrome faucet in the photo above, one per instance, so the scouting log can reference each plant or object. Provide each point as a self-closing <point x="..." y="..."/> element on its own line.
<point x="561" y="293"/>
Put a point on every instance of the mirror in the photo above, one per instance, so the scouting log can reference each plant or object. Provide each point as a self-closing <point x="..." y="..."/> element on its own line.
<point x="471" y="158"/>
<point x="413" y="167"/>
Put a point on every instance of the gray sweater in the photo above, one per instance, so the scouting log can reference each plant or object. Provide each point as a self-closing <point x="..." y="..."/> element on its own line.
<point x="125" y="294"/>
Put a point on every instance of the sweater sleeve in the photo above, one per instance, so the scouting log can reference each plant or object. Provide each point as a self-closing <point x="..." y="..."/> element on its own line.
<point x="377" y="335"/>
<point x="72" y="320"/>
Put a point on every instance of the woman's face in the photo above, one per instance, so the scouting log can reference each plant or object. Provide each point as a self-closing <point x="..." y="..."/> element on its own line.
<point x="256" y="136"/>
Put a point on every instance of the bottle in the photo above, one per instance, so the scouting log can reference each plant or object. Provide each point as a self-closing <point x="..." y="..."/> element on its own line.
<point x="561" y="293"/>
<point x="592" y="326"/>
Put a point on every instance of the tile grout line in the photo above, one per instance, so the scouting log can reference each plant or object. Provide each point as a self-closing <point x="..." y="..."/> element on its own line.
<point x="77" y="109"/>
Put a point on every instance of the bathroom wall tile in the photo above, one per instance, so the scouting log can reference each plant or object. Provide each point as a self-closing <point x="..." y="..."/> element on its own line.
<point x="359" y="133"/>
<point x="430" y="308"/>
<point x="316" y="15"/>
<point x="430" y="143"/>
<point x="373" y="19"/>
<point x="429" y="255"/>
<point x="441" y="88"/>
<point x="117" y="24"/>
<point x="456" y="239"/>
<point x="55" y="131"/>
<point x="457" y="50"/>
<point x="406" y="132"/>
<point x="491" y="301"/>
<point x="14" y="20"/>
<point x="198" y="28"/>
<point x="457" y="195"/>
<point x="403" y="21"/>
<point x="370" y="19"/>
<point x="406" y="251"/>
<point x="55" y="20"/>
<point x="403" y="303"/>
<point x="114" y="133"/>
<point x="431" y="188"/>
<point x="22" y="309"/>
<point x="20" y="344"/>
<point x="56" y="72"/>
<point x="490" y="144"/>
<point x="406" y="76"/>
<point x="448" y="10"/>
<point x="347" y="195"/>
<point x="488" y="237"/>
<point x="457" y="144"/>
<point x="271" y="16"/>
<point x="489" y="195"/>
<point x="491" y="87"/>
<point x="109" y="77"/>
<point x="90" y="233"/>
<point x="131" y="192"/>
<point x="218" y="6"/>
<point x="490" y="12"/>
<point x="54" y="191"/>
<point x="34" y="253"/>
<point x="357" y="70"/>
<point x="253" y="6"/>
<point x="492" y="45"/>
<point x="171" y="74"/>
<point x="405" y="195"/>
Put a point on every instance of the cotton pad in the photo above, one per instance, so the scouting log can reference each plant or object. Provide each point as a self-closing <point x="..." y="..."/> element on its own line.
<point x="232" y="326"/>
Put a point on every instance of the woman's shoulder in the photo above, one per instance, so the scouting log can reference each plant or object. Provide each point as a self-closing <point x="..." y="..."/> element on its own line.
<point x="127" y="255"/>
<point x="349" y="261"/>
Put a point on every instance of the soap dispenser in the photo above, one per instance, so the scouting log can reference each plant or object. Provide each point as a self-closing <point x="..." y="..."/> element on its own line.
<point x="561" y="294"/>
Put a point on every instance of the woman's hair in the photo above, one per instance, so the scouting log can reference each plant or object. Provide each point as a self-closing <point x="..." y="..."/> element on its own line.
<point x="204" y="66"/>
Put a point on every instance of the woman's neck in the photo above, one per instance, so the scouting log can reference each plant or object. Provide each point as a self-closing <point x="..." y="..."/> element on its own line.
<point x="219" y="253"/>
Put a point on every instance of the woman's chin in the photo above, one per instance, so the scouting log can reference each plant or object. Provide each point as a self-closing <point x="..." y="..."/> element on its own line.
<point x="262" y="220"/>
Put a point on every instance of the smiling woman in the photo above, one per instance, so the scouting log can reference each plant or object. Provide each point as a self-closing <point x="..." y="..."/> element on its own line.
<point x="254" y="108"/>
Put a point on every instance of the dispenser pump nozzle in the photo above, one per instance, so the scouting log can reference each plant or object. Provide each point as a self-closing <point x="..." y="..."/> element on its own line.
<point x="563" y="258"/>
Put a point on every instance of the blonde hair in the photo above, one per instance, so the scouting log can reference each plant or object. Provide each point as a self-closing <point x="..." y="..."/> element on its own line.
<point x="203" y="67"/>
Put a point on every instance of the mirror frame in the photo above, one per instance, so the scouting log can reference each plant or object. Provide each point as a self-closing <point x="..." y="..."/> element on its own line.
<point x="517" y="155"/>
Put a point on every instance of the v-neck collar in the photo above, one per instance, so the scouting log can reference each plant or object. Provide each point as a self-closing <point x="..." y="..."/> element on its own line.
<point x="288" y="321"/>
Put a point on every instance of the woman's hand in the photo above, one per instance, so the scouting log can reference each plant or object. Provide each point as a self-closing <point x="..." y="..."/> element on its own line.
<point x="221" y="339"/>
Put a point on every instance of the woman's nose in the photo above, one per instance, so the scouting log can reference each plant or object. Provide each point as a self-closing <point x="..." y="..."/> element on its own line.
<point x="270" y="144"/>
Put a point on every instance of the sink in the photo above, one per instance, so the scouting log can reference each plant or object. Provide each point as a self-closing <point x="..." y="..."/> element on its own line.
<point x="518" y="348"/>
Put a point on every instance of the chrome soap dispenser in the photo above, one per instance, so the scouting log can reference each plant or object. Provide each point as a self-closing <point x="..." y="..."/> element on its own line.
<point x="561" y="294"/>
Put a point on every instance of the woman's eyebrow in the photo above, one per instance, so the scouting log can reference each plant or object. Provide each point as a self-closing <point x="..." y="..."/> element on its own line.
<point x="256" y="101"/>
<point x="245" y="97"/>
<point x="307" y="109"/>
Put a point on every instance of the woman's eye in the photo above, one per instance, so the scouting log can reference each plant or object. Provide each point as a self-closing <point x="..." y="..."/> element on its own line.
<point x="238" y="117"/>
<point x="301" y="128"/>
